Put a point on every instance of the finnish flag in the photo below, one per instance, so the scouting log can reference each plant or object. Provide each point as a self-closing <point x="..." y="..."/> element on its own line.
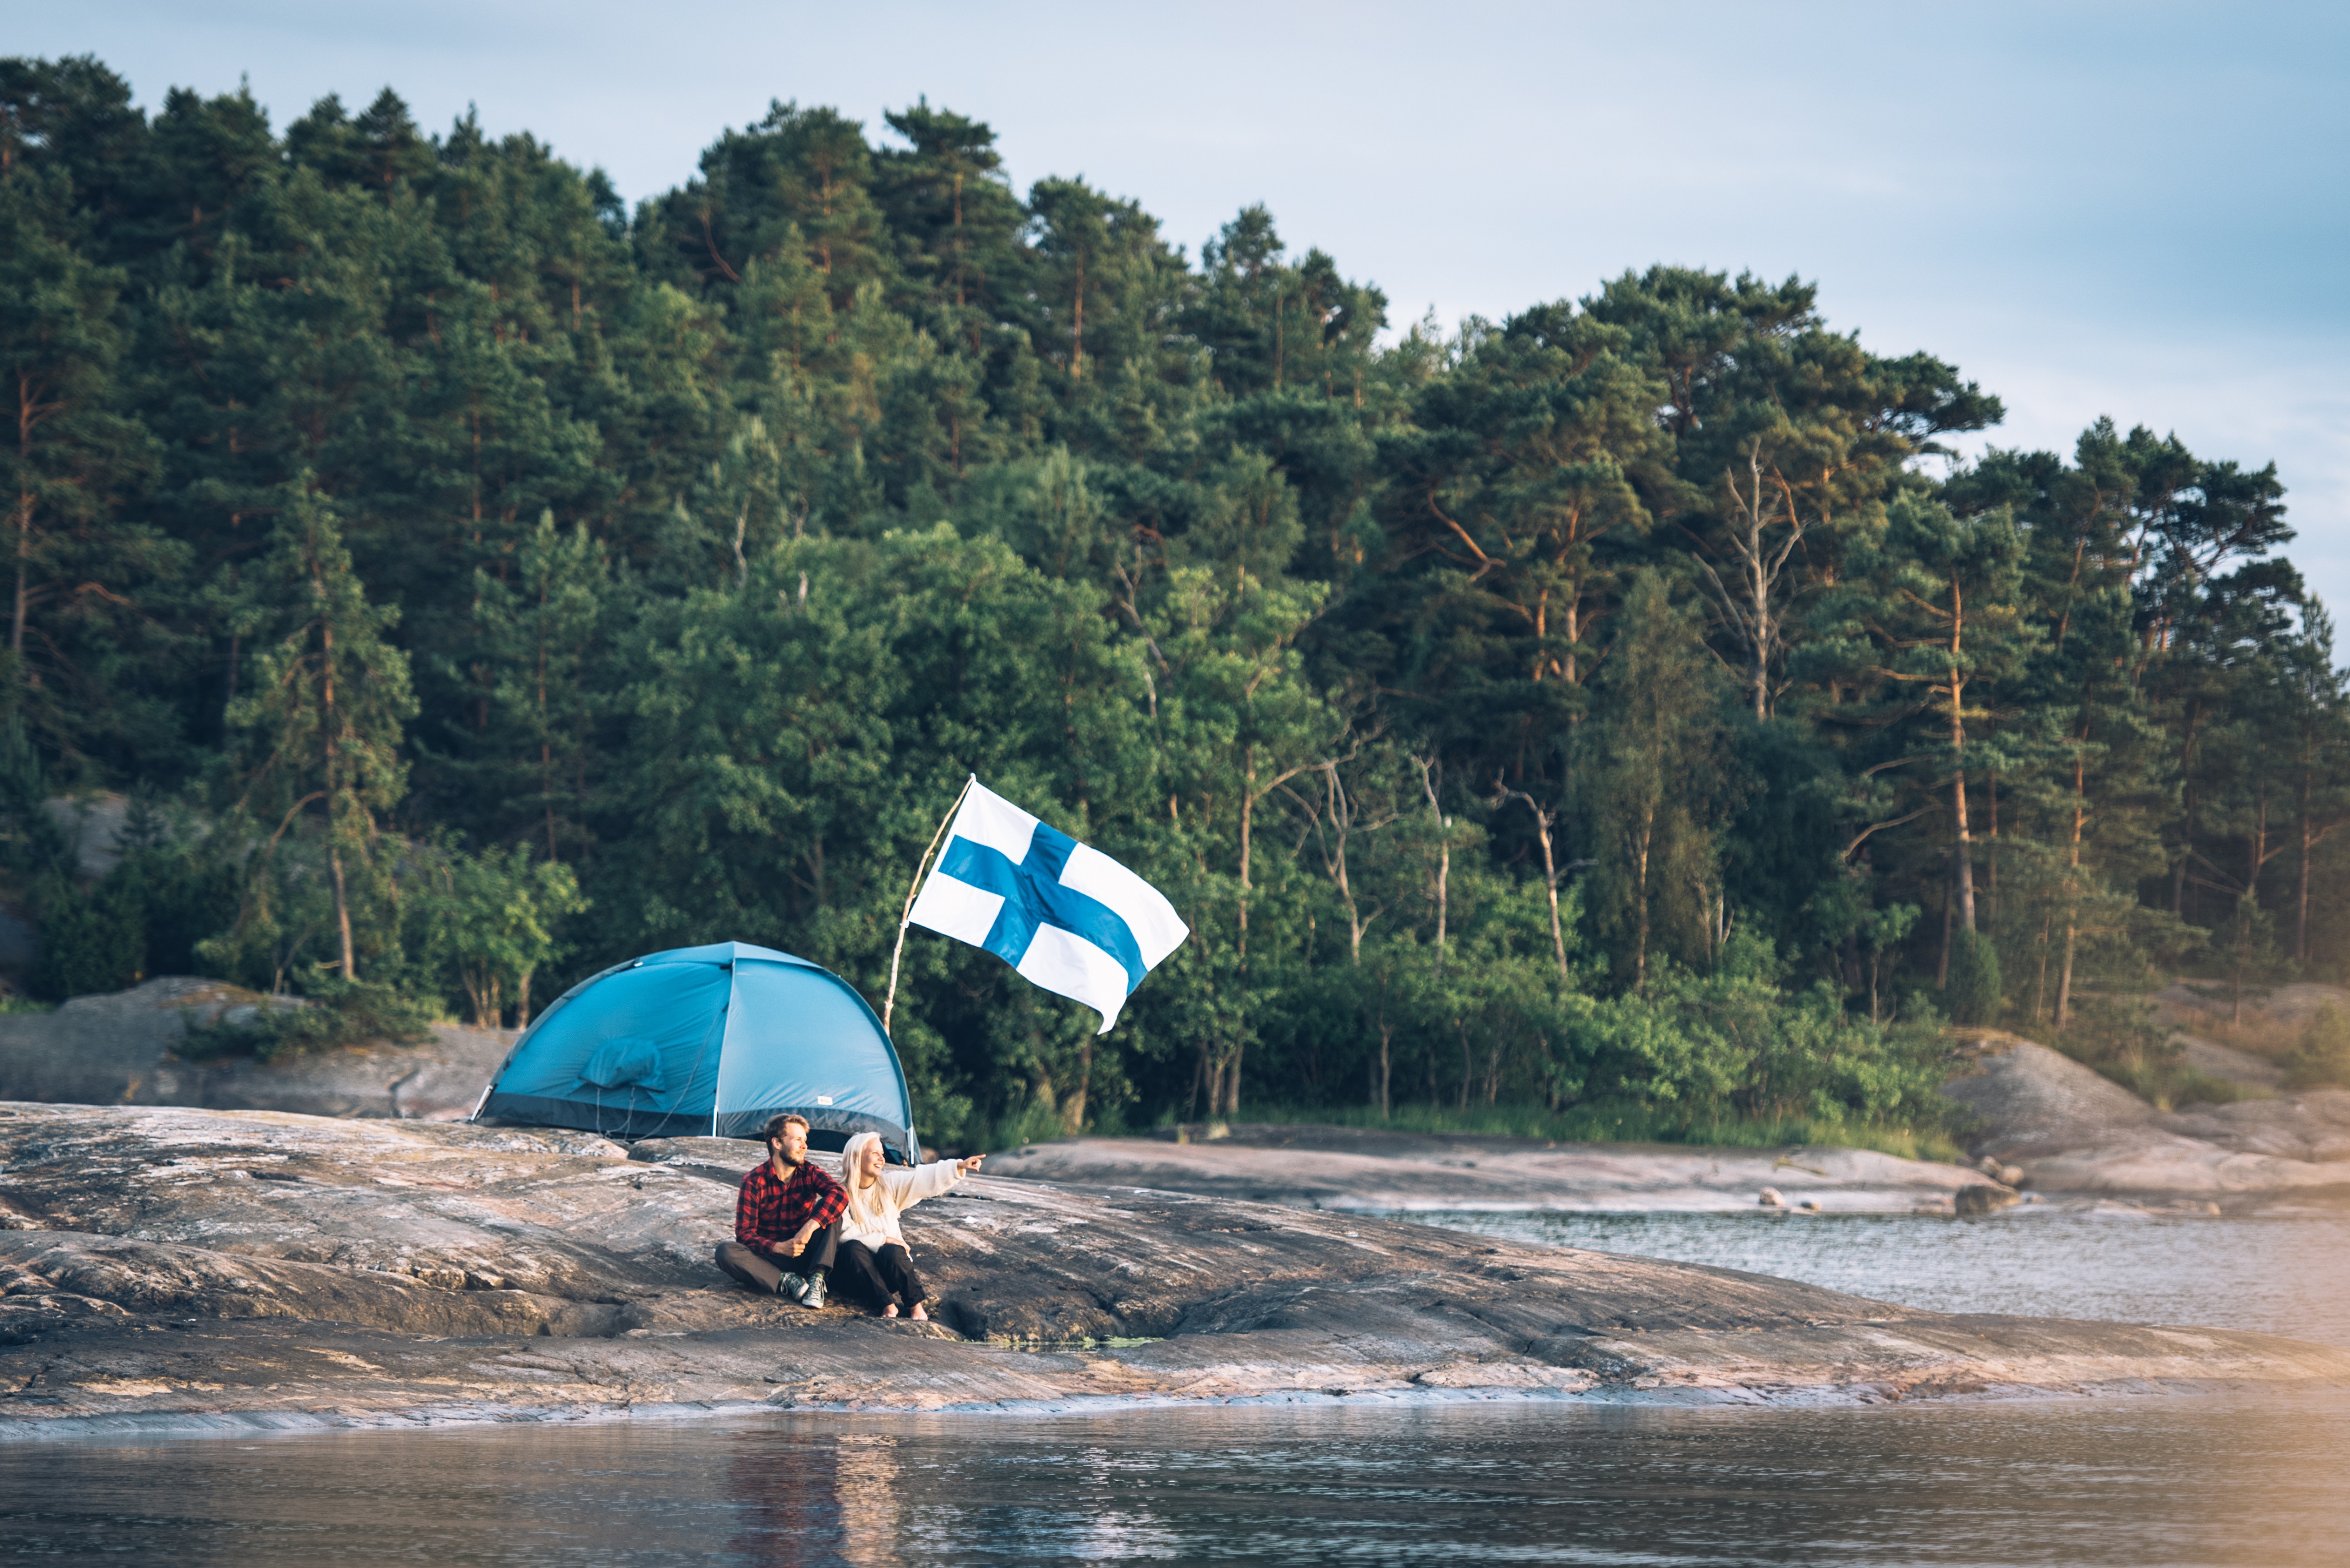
<point x="1070" y="919"/>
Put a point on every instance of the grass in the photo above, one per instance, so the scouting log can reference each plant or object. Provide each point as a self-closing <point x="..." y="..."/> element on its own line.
<point x="2270" y="1039"/>
<point x="1627" y="1124"/>
<point x="2166" y="1086"/>
<point x="2119" y="1038"/>
<point x="1029" y="1123"/>
<point x="14" y="1004"/>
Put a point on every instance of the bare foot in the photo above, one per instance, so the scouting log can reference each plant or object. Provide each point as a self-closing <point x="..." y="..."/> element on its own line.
<point x="918" y="1314"/>
<point x="889" y="1311"/>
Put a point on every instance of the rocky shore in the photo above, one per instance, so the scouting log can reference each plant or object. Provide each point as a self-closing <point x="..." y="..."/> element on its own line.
<point x="187" y="1269"/>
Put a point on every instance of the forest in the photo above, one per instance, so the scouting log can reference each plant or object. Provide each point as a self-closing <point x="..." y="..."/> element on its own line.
<point x="1629" y="715"/>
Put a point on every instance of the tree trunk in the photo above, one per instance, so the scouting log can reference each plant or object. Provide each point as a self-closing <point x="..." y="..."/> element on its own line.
<point x="333" y="849"/>
<point x="2301" y="895"/>
<point x="2186" y="813"/>
<point x="1443" y="859"/>
<point x="1248" y="817"/>
<point x="27" y="397"/>
<point x="2040" y="980"/>
<point x="1990" y="855"/>
<point x="1550" y="884"/>
<point x="342" y="908"/>
<point x="1640" y="898"/>
<point x="23" y="557"/>
<point x="1073" y="1110"/>
<point x="2250" y="903"/>
<point x="1760" y="586"/>
<point x="1963" y="852"/>
<point x="2064" y="978"/>
<point x="1942" y="971"/>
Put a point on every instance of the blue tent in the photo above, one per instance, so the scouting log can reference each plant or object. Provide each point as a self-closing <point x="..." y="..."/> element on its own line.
<point x="709" y="1040"/>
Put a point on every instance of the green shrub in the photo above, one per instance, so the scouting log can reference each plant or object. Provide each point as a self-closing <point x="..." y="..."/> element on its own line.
<point x="335" y="1013"/>
<point x="1972" y="997"/>
<point x="1630" y="1121"/>
<point x="143" y="918"/>
<point x="2122" y="1041"/>
<point x="91" y="941"/>
<point x="2322" y="1059"/>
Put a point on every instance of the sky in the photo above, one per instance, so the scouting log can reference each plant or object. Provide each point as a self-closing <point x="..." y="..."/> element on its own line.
<point x="2135" y="209"/>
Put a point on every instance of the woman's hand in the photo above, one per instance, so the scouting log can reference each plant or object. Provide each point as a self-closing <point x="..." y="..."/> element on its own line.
<point x="968" y="1166"/>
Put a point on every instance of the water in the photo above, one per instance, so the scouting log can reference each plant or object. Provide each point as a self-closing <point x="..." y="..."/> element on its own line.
<point x="2079" y="1484"/>
<point x="2064" y="1483"/>
<point x="2283" y="1275"/>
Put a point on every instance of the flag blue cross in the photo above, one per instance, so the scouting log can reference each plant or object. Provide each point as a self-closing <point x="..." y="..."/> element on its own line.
<point x="1066" y="915"/>
<point x="1032" y="896"/>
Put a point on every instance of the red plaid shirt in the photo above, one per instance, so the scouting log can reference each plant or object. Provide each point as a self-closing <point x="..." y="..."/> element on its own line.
<point x="772" y="1208"/>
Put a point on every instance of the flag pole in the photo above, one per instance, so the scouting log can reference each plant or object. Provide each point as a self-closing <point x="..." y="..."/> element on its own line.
<point x="906" y="916"/>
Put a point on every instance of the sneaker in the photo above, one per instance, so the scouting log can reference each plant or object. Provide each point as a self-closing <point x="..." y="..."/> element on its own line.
<point x="813" y="1297"/>
<point x="793" y="1287"/>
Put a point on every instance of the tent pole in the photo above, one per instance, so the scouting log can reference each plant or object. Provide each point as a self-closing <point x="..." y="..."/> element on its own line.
<point x="906" y="916"/>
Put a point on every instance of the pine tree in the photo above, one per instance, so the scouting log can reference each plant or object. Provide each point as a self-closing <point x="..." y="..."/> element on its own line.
<point x="1655" y="756"/>
<point x="957" y="219"/>
<point x="543" y="633"/>
<point x="1943" y="610"/>
<point x="320" y="727"/>
<point x="70" y="459"/>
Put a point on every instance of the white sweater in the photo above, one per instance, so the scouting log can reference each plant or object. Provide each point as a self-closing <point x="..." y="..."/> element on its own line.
<point x="872" y="1213"/>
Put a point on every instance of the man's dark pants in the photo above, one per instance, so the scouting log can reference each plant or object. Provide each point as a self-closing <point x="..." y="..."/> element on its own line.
<point x="762" y="1271"/>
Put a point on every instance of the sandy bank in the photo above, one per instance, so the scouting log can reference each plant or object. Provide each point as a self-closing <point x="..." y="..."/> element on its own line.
<point x="1342" y="1169"/>
<point x="189" y="1268"/>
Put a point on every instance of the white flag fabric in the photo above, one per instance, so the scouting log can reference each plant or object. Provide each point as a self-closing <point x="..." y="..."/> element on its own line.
<point x="1070" y="919"/>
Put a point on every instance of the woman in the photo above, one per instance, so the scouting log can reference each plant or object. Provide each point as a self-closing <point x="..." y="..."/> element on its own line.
<point x="873" y="1261"/>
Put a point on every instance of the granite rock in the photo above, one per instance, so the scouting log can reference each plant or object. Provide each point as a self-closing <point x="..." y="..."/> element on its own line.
<point x="122" y="1048"/>
<point x="186" y="1269"/>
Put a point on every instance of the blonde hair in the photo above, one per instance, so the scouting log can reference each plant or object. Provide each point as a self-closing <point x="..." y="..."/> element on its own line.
<point x="851" y="1153"/>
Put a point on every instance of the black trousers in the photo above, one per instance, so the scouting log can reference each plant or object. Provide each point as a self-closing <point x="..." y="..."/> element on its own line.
<point x="881" y="1279"/>
<point x="761" y="1270"/>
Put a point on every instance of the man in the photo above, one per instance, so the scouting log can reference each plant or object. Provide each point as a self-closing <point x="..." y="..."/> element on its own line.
<point x="786" y="1221"/>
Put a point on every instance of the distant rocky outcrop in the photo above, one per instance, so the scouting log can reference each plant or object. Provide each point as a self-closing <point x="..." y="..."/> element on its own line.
<point x="180" y="1269"/>
<point x="122" y="1048"/>
<point x="2068" y="1130"/>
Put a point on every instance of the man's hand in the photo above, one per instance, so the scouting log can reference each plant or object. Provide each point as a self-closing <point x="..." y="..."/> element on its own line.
<point x="798" y="1244"/>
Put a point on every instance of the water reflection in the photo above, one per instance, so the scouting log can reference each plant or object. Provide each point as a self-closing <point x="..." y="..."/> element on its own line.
<point x="2027" y="1484"/>
<point x="2282" y="1275"/>
<point x="2082" y="1483"/>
